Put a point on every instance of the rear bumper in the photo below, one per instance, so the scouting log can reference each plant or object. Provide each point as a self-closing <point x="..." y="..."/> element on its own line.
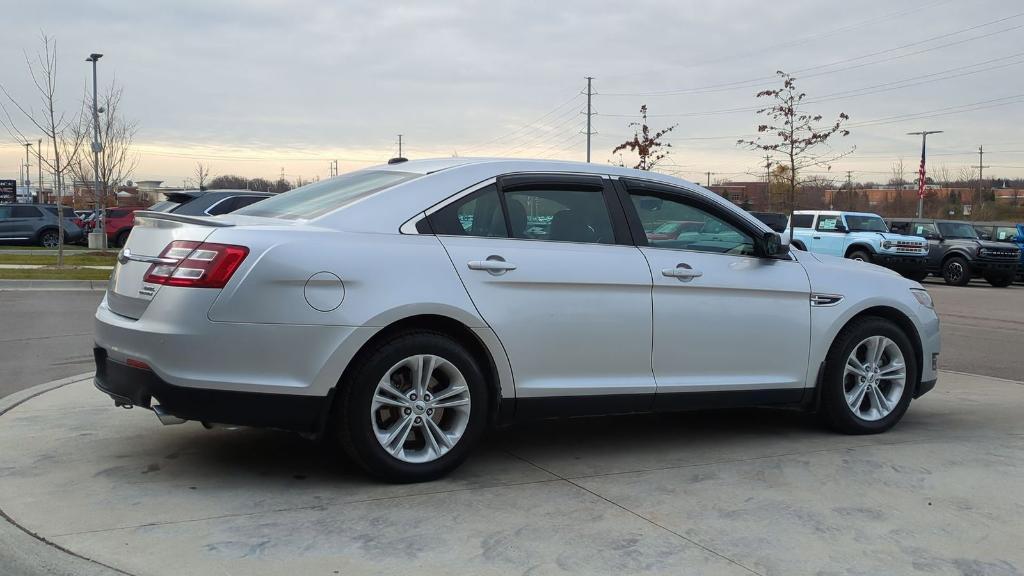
<point x="901" y="263"/>
<point x="128" y="385"/>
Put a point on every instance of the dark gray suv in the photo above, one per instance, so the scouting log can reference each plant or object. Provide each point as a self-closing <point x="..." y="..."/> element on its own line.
<point x="956" y="253"/>
<point x="37" y="224"/>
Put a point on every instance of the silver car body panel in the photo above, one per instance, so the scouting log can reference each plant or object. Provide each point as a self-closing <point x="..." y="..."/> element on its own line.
<point x="572" y="319"/>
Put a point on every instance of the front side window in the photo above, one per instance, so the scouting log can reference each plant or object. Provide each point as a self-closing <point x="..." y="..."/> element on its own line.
<point x="1005" y="233"/>
<point x="858" y="223"/>
<point x="900" y="227"/>
<point x="957" y="230"/>
<point x="314" y="200"/>
<point x="559" y="215"/>
<point x="827" y="223"/>
<point x="674" y="223"/>
<point x="478" y="214"/>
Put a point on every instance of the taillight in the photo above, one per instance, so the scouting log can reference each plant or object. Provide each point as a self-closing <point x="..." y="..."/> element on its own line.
<point x="199" y="264"/>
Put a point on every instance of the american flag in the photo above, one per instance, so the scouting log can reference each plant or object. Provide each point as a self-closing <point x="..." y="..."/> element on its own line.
<point x="920" y="177"/>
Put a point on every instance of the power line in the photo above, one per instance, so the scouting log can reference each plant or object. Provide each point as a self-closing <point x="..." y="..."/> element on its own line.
<point x="751" y="82"/>
<point x="523" y="127"/>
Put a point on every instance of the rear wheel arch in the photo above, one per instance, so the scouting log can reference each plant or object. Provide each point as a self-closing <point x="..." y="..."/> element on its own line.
<point x="43" y="231"/>
<point x="799" y="245"/>
<point x="901" y="320"/>
<point x="446" y="326"/>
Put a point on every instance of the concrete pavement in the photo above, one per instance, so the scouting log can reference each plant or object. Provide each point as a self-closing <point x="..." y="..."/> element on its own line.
<point x="748" y="492"/>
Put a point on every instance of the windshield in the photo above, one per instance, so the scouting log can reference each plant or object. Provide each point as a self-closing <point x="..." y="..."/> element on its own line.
<point x="865" y="223"/>
<point x="320" y="198"/>
<point x="957" y="230"/>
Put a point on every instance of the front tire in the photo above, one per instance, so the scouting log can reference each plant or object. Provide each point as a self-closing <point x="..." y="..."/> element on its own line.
<point x="869" y="379"/>
<point x="956" y="271"/>
<point x="413" y="408"/>
<point x="860" y="256"/>
<point x="1000" y="281"/>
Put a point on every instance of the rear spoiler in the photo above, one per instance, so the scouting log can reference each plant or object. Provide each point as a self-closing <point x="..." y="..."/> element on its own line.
<point x="197" y="220"/>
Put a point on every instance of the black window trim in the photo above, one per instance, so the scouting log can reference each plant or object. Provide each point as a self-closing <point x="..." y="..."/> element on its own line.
<point x="625" y="185"/>
<point x="515" y="181"/>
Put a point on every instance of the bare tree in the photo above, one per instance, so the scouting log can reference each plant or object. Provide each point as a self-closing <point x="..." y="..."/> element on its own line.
<point x="201" y="175"/>
<point x="117" y="160"/>
<point x="943" y="176"/>
<point x="794" y="132"/>
<point x="645" y="144"/>
<point x="42" y="69"/>
<point x="899" y="174"/>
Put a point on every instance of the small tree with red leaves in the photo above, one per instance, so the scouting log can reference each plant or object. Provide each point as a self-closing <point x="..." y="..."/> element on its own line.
<point x="795" y="134"/>
<point x="647" y="146"/>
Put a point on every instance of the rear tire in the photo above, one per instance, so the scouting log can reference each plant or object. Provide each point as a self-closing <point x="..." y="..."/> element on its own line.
<point x="1000" y="281"/>
<point x="916" y="276"/>
<point x="860" y="256"/>
<point x="122" y="238"/>
<point x="381" y="398"/>
<point x="866" y="389"/>
<point x="956" y="271"/>
<point x="49" y="239"/>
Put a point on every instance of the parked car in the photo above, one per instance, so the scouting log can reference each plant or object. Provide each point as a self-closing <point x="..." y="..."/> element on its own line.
<point x="405" y="308"/>
<point x="208" y="202"/>
<point x="859" y="236"/>
<point x="1004" y="232"/>
<point x="777" y="221"/>
<point x="36" y="224"/>
<point x="957" y="254"/>
<point x="117" y="224"/>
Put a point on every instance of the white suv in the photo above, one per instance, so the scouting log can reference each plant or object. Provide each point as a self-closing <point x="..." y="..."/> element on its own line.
<point x="403" y="309"/>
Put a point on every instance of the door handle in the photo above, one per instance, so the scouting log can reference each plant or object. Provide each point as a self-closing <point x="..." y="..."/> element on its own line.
<point x="816" y="237"/>
<point x="494" y="264"/>
<point x="683" y="272"/>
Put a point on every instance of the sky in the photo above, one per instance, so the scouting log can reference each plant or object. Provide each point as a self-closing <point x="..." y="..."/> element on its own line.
<point x="263" y="88"/>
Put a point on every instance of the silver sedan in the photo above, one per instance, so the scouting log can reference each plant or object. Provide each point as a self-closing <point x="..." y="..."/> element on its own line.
<point x="404" y="309"/>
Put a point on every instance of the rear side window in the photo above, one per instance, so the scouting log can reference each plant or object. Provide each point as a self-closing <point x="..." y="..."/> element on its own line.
<point x="559" y="215"/>
<point x="322" y="197"/>
<point x="899" y="227"/>
<point x="68" y="212"/>
<point x="478" y="214"/>
<point x="243" y="201"/>
<point x="802" y="220"/>
<point x="25" y="212"/>
<point x="223" y="206"/>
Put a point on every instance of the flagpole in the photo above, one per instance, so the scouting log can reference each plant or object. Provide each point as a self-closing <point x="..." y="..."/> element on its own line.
<point x="921" y="171"/>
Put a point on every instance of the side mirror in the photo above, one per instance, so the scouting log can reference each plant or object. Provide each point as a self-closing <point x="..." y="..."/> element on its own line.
<point x="772" y="246"/>
<point x="840" y="227"/>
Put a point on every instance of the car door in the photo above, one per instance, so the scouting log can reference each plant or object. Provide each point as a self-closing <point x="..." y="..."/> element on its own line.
<point x="725" y="321"/>
<point x="828" y="237"/>
<point x="929" y="232"/>
<point x="24" y="221"/>
<point x="548" y="262"/>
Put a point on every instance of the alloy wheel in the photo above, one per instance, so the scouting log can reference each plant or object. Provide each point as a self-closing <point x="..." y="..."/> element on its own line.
<point x="874" y="378"/>
<point x="50" y="240"/>
<point x="420" y="408"/>
<point x="954" y="271"/>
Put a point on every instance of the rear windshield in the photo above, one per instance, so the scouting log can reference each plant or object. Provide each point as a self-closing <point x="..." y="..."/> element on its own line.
<point x="320" y="198"/>
<point x="163" y="206"/>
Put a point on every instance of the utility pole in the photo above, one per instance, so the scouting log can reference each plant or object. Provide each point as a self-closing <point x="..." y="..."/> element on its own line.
<point x="98" y="237"/>
<point x="920" y="171"/>
<point x="849" y="187"/>
<point x="981" y="174"/>
<point x="39" y="182"/>
<point x="28" y="172"/>
<point x="768" y="179"/>
<point x="590" y="112"/>
<point x="400" y="146"/>
<point x="709" y="178"/>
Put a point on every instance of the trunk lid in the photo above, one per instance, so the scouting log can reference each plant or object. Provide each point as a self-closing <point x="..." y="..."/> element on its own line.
<point x="127" y="294"/>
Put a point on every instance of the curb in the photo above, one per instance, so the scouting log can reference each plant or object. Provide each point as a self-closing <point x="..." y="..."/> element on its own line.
<point x="38" y="285"/>
<point x="24" y="553"/>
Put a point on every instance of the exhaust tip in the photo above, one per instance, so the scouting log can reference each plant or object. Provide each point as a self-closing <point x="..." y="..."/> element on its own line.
<point x="166" y="418"/>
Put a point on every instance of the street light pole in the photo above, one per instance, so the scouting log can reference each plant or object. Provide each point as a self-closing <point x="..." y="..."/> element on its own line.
<point x="920" y="171"/>
<point x="98" y="238"/>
